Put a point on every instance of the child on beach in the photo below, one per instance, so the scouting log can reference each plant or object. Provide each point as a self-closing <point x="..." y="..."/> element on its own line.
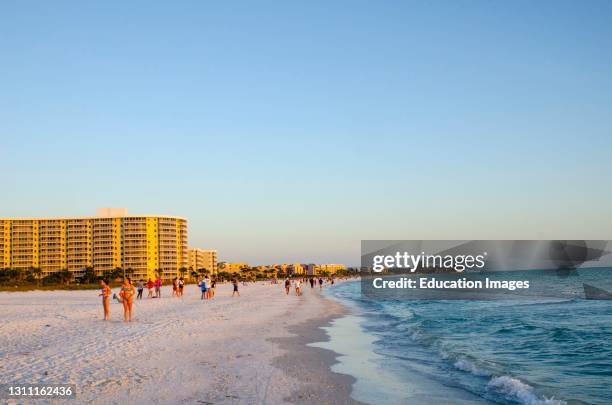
<point x="311" y="282"/>
<point x="175" y="287"/>
<point x="150" y="286"/>
<point x="235" y="283"/>
<point x="139" y="288"/>
<point x="105" y="294"/>
<point x="321" y="283"/>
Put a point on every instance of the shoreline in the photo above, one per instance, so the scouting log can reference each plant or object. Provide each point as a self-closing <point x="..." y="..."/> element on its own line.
<point x="312" y="366"/>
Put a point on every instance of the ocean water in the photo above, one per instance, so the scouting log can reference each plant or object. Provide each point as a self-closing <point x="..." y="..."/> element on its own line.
<point x="541" y="350"/>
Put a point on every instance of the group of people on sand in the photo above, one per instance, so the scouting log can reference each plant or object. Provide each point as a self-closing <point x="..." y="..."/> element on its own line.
<point x="207" y="287"/>
<point x="298" y="284"/>
<point x="126" y="297"/>
<point x="178" y="284"/>
<point x="128" y="291"/>
<point x="140" y="285"/>
<point x="154" y="288"/>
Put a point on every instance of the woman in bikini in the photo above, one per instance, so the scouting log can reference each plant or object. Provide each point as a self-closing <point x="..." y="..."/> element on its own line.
<point x="105" y="294"/>
<point x="127" y="298"/>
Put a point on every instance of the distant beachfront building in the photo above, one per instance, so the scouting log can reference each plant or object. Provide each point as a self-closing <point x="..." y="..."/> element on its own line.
<point x="312" y="269"/>
<point x="331" y="268"/>
<point x="232" y="267"/>
<point x="318" y="269"/>
<point x="296" y="269"/>
<point x="110" y="240"/>
<point x="203" y="259"/>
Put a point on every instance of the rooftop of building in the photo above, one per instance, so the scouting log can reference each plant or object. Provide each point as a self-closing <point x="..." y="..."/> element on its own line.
<point x="101" y="213"/>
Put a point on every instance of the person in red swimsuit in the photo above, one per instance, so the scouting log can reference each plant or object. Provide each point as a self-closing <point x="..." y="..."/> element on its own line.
<point x="150" y="285"/>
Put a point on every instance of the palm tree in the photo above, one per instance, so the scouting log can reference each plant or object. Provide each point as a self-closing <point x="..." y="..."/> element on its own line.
<point x="89" y="276"/>
<point x="204" y="272"/>
<point x="116" y="273"/>
<point x="182" y="272"/>
<point x="129" y="272"/>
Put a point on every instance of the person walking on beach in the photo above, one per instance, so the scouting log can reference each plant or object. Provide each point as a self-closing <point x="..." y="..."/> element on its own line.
<point x="311" y="282"/>
<point x="181" y="285"/>
<point x="203" y="288"/>
<point x="158" y="284"/>
<point x="298" y="287"/>
<point x="235" y="283"/>
<point x="320" y="283"/>
<point x="127" y="298"/>
<point x="139" y="288"/>
<point x="105" y="294"/>
<point x="287" y="286"/>
<point x="150" y="285"/>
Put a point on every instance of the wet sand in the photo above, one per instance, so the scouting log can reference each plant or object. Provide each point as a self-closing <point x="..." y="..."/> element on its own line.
<point x="312" y="365"/>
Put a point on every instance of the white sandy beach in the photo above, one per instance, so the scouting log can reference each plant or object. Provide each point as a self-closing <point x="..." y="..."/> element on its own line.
<point x="176" y="350"/>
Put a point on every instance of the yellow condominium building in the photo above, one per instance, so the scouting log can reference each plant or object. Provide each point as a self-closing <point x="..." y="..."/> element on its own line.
<point x="203" y="259"/>
<point x="110" y="240"/>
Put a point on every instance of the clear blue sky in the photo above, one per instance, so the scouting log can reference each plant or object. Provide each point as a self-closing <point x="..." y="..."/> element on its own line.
<point x="289" y="131"/>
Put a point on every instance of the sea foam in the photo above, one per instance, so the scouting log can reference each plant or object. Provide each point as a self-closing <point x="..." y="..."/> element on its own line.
<point x="514" y="389"/>
<point x="465" y="365"/>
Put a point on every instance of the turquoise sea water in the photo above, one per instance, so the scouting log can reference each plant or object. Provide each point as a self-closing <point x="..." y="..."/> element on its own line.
<point x="544" y="350"/>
